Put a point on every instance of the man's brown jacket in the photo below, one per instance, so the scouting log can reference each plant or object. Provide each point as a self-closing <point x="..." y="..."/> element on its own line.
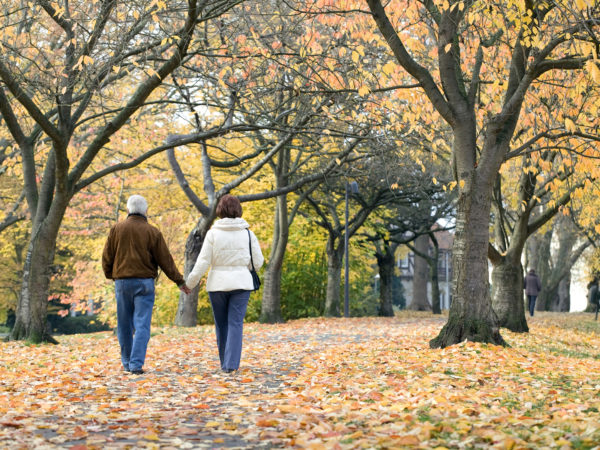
<point x="136" y="249"/>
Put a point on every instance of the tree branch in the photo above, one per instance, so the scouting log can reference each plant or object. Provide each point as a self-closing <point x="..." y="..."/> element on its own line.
<point x="140" y="95"/>
<point x="22" y="97"/>
<point x="420" y="73"/>
<point x="187" y="139"/>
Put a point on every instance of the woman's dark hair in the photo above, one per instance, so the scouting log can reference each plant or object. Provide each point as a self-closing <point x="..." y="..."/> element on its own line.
<point x="229" y="206"/>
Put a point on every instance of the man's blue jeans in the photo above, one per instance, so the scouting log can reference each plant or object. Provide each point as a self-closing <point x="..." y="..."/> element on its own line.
<point x="531" y="299"/>
<point x="229" y="309"/>
<point x="135" y="299"/>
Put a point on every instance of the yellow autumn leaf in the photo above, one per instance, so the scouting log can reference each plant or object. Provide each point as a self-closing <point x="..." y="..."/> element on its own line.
<point x="389" y="68"/>
<point x="594" y="71"/>
<point x="363" y="91"/>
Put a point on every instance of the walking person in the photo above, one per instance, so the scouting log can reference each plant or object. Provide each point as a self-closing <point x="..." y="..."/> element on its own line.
<point x="230" y="249"/>
<point x="532" y="286"/>
<point x="132" y="254"/>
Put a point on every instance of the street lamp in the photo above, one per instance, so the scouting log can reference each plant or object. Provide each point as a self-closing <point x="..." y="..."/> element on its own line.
<point x="351" y="187"/>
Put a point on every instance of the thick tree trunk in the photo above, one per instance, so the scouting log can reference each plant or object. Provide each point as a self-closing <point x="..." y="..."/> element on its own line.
<point x="31" y="316"/>
<point x="507" y="295"/>
<point x="271" y="300"/>
<point x="419" y="300"/>
<point x="187" y="309"/>
<point x="385" y="263"/>
<point x="471" y="315"/>
<point x="334" y="280"/>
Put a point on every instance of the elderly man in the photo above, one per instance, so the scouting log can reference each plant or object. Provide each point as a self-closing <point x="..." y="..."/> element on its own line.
<point x="132" y="254"/>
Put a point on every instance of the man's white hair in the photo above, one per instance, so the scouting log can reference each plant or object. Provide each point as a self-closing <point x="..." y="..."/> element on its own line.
<point x="137" y="205"/>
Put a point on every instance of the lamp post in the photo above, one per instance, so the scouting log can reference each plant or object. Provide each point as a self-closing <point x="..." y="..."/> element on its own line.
<point x="353" y="188"/>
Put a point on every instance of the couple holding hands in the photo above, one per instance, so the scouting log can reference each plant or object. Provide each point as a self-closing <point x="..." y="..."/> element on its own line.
<point x="135" y="250"/>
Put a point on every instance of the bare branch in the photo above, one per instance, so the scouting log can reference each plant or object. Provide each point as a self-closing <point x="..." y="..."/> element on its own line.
<point x="419" y="72"/>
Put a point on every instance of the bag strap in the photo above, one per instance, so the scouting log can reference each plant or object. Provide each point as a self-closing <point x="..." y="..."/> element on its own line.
<point x="250" y="248"/>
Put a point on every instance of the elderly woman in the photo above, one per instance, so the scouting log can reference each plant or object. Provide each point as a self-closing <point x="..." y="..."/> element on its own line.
<point x="226" y="250"/>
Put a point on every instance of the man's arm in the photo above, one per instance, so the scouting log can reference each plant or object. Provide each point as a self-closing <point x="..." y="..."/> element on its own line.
<point x="108" y="255"/>
<point x="165" y="261"/>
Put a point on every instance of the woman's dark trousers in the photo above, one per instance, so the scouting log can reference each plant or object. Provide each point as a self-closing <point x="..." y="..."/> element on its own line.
<point x="229" y="309"/>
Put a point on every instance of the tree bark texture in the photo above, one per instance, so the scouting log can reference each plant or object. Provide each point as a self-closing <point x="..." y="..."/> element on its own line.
<point x="385" y="263"/>
<point x="507" y="295"/>
<point x="271" y="300"/>
<point x="563" y="303"/>
<point x="555" y="272"/>
<point x="435" y="282"/>
<point x="187" y="309"/>
<point x="471" y="315"/>
<point x="419" y="301"/>
<point x="334" y="279"/>
<point x="31" y="315"/>
<point x="540" y="260"/>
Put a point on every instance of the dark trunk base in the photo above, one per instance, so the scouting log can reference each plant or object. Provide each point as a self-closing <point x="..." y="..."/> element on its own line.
<point x="19" y="333"/>
<point x="418" y="307"/>
<point x="474" y="330"/>
<point x="270" y="317"/>
<point x="515" y="324"/>
<point x="386" y="313"/>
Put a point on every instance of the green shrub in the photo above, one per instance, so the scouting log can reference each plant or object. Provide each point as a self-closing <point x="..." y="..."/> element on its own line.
<point x="76" y="325"/>
<point x="303" y="284"/>
<point x="204" y="315"/>
<point x="363" y="298"/>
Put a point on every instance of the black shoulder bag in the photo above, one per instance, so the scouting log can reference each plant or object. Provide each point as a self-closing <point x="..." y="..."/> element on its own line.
<point x="255" y="278"/>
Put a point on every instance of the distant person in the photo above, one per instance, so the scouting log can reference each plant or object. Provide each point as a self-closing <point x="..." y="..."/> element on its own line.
<point x="532" y="286"/>
<point x="226" y="250"/>
<point x="132" y="255"/>
<point x="593" y="293"/>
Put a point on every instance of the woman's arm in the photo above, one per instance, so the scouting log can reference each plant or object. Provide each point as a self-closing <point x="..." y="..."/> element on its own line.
<point x="202" y="263"/>
<point x="257" y="255"/>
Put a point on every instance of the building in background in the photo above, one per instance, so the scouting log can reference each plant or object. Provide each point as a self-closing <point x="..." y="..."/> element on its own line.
<point x="406" y="266"/>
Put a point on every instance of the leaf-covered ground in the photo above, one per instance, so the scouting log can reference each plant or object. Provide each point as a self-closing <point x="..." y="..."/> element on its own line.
<point x="318" y="383"/>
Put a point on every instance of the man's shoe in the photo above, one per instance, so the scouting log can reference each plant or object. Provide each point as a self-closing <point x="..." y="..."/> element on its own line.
<point x="137" y="371"/>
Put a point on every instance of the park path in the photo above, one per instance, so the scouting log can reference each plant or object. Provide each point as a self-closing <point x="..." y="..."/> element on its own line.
<point x="184" y="400"/>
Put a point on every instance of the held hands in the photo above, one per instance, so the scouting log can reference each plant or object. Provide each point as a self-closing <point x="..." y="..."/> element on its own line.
<point x="183" y="288"/>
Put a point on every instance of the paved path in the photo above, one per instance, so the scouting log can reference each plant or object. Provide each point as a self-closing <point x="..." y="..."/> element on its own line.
<point x="184" y="400"/>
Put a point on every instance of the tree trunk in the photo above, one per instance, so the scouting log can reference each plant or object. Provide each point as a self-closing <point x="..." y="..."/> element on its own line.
<point x="31" y="317"/>
<point x="271" y="300"/>
<point x="507" y="295"/>
<point x="543" y="259"/>
<point x="334" y="279"/>
<point x="434" y="276"/>
<point x="555" y="271"/>
<point x="419" y="300"/>
<point x="385" y="263"/>
<point x="564" y="294"/>
<point x="187" y="309"/>
<point x="471" y="315"/>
